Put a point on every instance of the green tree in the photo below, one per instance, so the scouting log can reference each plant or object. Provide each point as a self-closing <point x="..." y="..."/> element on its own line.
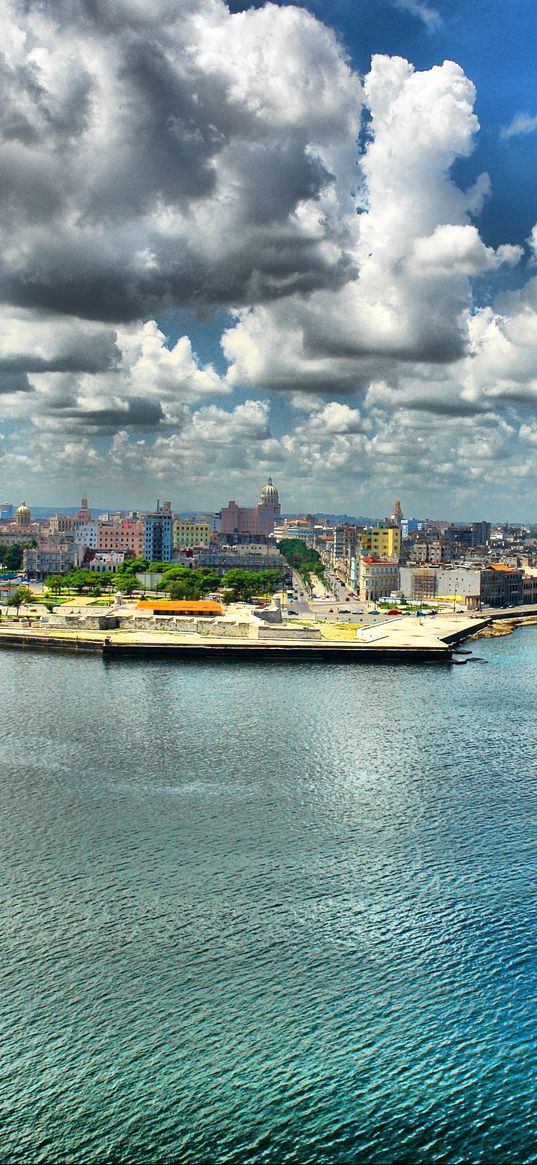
<point x="133" y="566"/>
<point x="245" y="584"/>
<point x="182" y="583"/>
<point x="20" y="596"/>
<point x="55" y="583"/>
<point x="11" y="555"/>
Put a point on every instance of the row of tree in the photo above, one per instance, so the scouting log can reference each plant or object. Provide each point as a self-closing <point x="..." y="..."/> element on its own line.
<point x="179" y="582"/>
<point x="301" y="558"/>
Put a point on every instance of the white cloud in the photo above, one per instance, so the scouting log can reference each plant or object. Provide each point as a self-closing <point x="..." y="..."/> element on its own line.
<point x="522" y="124"/>
<point x="430" y="16"/>
<point x="458" y="250"/>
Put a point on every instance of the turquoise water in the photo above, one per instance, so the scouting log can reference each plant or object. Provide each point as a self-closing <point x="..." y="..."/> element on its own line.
<point x="275" y="914"/>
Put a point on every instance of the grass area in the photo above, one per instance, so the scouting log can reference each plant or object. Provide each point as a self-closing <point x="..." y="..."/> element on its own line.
<point x="339" y="630"/>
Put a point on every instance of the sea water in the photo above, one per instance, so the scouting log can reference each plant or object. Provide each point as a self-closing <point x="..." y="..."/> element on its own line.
<point x="278" y="913"/>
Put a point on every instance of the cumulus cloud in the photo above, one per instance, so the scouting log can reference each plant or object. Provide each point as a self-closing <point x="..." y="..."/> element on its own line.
<point x="458" y="250"/>
<point x="414" y="250"/>
<point x="92" y="378"/>
<point x="173" y="155"/>
<point x="177" y="154"/>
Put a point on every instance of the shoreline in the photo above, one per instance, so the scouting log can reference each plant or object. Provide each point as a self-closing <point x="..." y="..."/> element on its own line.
<point x="400" y="641"/>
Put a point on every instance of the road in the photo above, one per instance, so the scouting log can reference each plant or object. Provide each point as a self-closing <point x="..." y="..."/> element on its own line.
<point x="335" y="608"/>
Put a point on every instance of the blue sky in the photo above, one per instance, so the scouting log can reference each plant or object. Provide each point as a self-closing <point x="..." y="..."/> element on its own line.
<point x="241" y="239"/>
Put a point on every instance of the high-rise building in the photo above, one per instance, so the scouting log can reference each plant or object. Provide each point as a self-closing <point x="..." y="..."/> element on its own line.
<point x="383" y="541"/>
<point x="158" y="533"/>
<point x="235" y="519"/>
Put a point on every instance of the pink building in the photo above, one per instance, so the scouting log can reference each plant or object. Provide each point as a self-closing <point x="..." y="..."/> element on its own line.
<point x="258" y="519"/>
<point x="125" y="535"/>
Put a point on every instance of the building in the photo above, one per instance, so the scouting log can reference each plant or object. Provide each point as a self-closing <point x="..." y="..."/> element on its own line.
<point x="397" y="513"/>
<point x="294" y="528"/>
<point x="84" y="513"/>
<point x="124" y="536"/>
<point x="61" y="524"/>
<point x="501" y="586"/>
<point x="377" y="578"/>
<point x="191" y="532"/>
<point x="109" y="561"/>
<point x="86" y="534"/>
<point x="418" y="582"/>
<point x="158" y="534"/>
<point x="51" y="558"/>
<point x="428" y="550"/>
<point x="382" y="541"/>
<point x="451" y="584"/>
<point x="248" y="556"/>
<point x="260" y="519"/>
<point x="529" y="588"/>
<point x="23" y="516"/>
<point x="206" y="608"/>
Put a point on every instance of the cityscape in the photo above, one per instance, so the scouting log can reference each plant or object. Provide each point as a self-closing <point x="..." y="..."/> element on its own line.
<point x="268" y="582"/>
<point x="474" y="564"/>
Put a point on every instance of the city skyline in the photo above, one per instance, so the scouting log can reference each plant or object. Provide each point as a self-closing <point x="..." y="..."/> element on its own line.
<point x="251" y="239"/>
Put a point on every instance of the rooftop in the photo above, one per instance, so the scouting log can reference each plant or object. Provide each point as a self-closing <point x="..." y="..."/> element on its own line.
<point x="180" y="606"/>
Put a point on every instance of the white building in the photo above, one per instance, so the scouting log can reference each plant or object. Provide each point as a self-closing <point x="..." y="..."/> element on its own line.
<point x="108" y="560"/>
<point x="378" y="577"/>
<point x="86" y="534"/>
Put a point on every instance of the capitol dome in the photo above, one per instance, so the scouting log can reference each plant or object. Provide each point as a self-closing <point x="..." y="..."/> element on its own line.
<point x="23" y="515"/>
<point x="269" y="494"/>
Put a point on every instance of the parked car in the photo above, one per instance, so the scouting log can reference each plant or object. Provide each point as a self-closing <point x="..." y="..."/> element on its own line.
<point x="292" y="612"/>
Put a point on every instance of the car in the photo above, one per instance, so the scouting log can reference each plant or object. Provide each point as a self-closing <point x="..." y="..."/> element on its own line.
<point x="342" y="611"/>
<point x="289" y="612"/>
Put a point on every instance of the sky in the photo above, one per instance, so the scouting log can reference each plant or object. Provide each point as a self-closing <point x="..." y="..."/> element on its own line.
<point x="299" y="240"/>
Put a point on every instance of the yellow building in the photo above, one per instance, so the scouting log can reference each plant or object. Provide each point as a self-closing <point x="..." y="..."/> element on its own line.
<point x="190" y="533"/>
<point x="382" y="541"/>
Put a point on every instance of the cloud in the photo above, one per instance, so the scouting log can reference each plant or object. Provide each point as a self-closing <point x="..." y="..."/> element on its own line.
<point x="430" y="17"/>
<point x="79" y="376"/>
<point x="178" y="156"/>
<point x="414" y="250"/>
<point x="521" y="125"/>
<point x="458" y="250"/>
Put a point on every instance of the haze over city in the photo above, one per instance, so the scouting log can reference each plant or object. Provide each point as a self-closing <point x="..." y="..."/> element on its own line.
<point x="251" y="239"/>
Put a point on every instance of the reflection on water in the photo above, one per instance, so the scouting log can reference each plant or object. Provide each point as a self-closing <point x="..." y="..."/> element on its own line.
<point x="278" y="914"/>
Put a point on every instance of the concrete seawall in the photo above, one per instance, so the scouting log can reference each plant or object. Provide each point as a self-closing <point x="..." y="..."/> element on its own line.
<point x="264" y="651"/>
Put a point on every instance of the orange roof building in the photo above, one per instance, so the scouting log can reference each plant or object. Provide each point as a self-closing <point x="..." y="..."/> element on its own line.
<point x="180" y="606"/>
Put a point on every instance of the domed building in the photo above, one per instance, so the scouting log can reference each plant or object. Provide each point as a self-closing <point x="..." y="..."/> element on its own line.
<point x="270" y="496"/>
<point x="253" y="520"/>
<point x="23" y="515"/>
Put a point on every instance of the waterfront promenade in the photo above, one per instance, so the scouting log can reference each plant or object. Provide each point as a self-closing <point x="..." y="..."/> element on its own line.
<point x="397" y="639"/>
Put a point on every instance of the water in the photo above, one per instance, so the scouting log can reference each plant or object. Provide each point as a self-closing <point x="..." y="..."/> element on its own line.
<point x="282" y="913"/>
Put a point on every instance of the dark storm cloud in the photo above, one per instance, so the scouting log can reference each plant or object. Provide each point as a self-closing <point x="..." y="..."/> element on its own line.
<point x="138" y="173"/>
<point x="78" y="354"/>
<point x="14" y="382"/>
<point x="133" y="413"/>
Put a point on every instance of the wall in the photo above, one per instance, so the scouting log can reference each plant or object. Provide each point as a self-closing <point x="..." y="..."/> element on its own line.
<point x="289" y="633"/>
